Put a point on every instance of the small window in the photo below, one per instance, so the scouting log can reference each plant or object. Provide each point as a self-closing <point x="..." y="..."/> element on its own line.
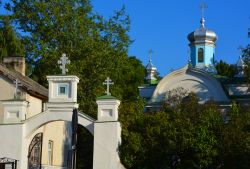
<point x="50" y="152"/>
<point x="200" y="55"/>
<point x="63" y="89"/>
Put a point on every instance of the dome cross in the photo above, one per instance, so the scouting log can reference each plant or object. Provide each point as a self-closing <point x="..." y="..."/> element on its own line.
<point x="203" y="6"/>
<point x="150" y="52"/>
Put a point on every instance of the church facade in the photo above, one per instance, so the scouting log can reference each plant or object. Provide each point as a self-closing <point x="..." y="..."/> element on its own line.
<point x="198" y="76"/>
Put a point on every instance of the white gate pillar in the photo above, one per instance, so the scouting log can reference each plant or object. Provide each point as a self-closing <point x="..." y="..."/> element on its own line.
<point x="107" y="134"/>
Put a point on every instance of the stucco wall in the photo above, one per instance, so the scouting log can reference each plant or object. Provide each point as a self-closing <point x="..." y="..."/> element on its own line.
<point x="6" y="92"/>
<point x="58" y="132"/>
<point x="35" y="106"/>
<point x="14" y="140"/>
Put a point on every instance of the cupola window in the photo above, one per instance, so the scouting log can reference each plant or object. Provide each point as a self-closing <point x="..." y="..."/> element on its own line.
<point x="200" y="55"/>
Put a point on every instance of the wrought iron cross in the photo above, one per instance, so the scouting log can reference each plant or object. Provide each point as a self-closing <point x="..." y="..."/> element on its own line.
<point x="17" y="84"/>
<point x="62" y="62"/>
<point x="203" y="6"/>
<point x="150" y="54"/>
<point x="108" y="82"/>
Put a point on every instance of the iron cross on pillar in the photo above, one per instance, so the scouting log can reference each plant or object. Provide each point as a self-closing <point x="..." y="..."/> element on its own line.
<point x="62" y="62"/>
<point x="108" y="82"/>
<point x="17" y="84"/>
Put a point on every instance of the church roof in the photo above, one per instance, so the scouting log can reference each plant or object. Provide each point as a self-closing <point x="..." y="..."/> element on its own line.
<point x="29" y="85"/>
<point x="193" y="80"/>
<point x="150" y="66"/>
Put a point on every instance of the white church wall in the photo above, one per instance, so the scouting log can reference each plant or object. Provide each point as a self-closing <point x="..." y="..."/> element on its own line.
<point x="11" y="144"/>
<point x="35" y="106"/>
<point x="7" y="93"/>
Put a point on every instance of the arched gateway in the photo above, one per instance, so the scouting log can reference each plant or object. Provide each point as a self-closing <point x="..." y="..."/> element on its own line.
<point x="38" y="135"/>
<point x="27" y="139"/>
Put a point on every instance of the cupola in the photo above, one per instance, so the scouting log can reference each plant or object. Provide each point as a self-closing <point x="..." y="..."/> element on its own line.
<point x="151" y="71"/>
<point x="202" y="47"/>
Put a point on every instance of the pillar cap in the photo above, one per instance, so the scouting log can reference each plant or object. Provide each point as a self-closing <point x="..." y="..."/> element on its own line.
<point x="106" y="97"/>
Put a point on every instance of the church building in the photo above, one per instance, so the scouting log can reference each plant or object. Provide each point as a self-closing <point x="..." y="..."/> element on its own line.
<point x="198" y="76"/>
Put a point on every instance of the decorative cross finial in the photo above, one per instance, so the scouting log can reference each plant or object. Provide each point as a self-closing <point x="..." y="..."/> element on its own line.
<point x="17" y="84"/>
<point x="203" y="6"/>
<point x="62" y="62"/>
<point x="150" y="52"/>
<point x="108" y="82"/>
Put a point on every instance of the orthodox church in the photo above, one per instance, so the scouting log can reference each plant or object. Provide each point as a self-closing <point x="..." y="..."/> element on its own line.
<point x="198" y="76"/>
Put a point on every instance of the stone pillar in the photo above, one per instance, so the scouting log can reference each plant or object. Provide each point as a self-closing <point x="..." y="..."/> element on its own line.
<point x="107" y="134"/>
<point x="62" y="93"/>
<point x="14" y="110"/>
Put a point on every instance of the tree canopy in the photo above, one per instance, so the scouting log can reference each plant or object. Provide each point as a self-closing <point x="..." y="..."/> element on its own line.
<point x="185" y="135"/>
<point x="96" y="46"/>
<point x="225" y="69"/>
<point x="10" y="41"/>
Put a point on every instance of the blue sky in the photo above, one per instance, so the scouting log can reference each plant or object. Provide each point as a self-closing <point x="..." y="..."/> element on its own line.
<point x="163" y="26"/>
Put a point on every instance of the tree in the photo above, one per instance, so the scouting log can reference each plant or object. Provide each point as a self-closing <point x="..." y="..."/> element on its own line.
<point x="225" y="69"/>
<point x="10" y="41"/>
<point x="183" y="134"/>
<point x="235" y="146"/>
<point x="97" y="47"/>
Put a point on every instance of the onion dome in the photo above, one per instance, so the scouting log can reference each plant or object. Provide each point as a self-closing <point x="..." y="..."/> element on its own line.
<point x="151" y="72"/>
<point x="202" y="35"/>
<point x="150" y="66"/>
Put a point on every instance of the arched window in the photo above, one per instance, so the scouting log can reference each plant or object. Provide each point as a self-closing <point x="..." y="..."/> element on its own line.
<point x="200" y="55"/>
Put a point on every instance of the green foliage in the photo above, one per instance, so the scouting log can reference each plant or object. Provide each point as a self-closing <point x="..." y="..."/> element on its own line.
<point x="10" y="41"/>
<point x="235" y="146"/>
<point x="97" y="47"/>
<point x="225" y="69"/>
<point x="184" y="131"/>
<point x="185" y="134"/>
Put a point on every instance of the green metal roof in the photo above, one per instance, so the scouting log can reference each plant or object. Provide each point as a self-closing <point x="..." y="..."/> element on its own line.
<point x="106" y="97"/>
